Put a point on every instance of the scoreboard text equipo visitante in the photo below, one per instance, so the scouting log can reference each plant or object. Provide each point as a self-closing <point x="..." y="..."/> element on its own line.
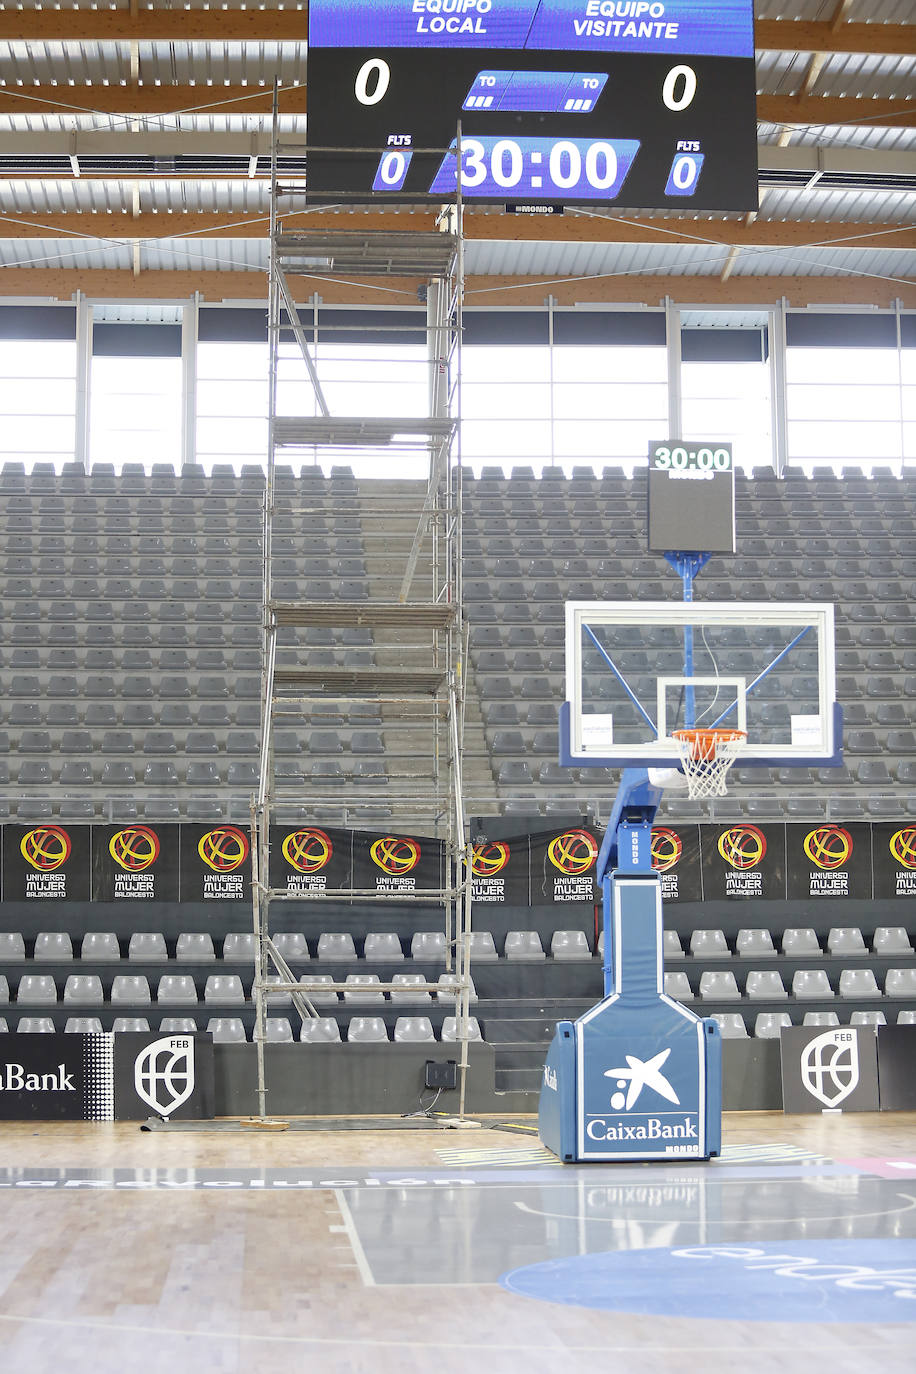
<point x="647" y="103"/>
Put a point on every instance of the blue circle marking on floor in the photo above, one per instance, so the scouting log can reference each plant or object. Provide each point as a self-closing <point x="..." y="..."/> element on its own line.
<point x="788" y="1281"/>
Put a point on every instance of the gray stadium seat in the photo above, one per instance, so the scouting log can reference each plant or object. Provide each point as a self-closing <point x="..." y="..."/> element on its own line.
<point x="367" y="1029"/>
<point x="130" y="987"/>
<point x="83" y="987"/>
<point x="709" y="944"/>
<point x="100" y="946"/>
<point x="811" y="984"/>
<point x="731" y="1025"/>
<point x="147" y="947"/>
<point x="53" y="945"/>
<point x="845" y="940"/>
<point x="677" y="985"/>
<point x="858" y="982"/>
<point x="719" y="985"/>
<point x="769" y="1024"/>
<point x="412" y="987"/>
<point x="176" y="987"/>
<point x="226" y="1030"/>
<point x="36" y="988"/>
<point x="319" y="1030"/>
<point x="524" y="945"/>
<point x="413" y="1030"/>
<point x="195" y="947"/>
<point x="765" y="986"/>
<point x="224" y="987"/>
<point x="800" y="941"/>
<point x="821" y="1018"/>
<point x="361" y="988"/>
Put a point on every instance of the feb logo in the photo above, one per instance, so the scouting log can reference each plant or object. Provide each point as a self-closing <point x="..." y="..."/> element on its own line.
<point x="134" y="848"/>
<point x="666" y="849"/>
<point x="573" y="852"/>
<point x="45" y="848"/>
<point x="395" y="854"/>
<point x="742" y="846"/>
<point x="903" y="847"/>
<point x="223" y="849"/>
<point x="307" y="851"/>
<point x="164" y="1073"/>
<point x="489" y="859"/>
<point x="830" y="1066"/>
<point x="829" y="846"/>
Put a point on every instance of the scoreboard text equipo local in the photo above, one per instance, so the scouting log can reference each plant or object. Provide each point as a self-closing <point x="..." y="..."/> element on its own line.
<point x="645" y="103"/>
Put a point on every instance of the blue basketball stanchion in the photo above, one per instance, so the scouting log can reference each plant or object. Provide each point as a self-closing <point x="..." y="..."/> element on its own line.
<point x="639" y="1076"/>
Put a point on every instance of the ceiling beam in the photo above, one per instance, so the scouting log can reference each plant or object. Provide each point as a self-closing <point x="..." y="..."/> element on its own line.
<point x="823" y="109"/>
<point x="291" y="25"/>
<point x="142" y="99"/>
<point x="573" y="228"/>
<point x="481" y="291"/>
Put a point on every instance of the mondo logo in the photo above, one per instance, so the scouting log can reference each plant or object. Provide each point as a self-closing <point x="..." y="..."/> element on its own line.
<point x="134" y="848"/>
<point x="45" y="848"/>
<point x="829" y="846"/>
<point x="903" y="847"/>
<point x="489" y="859"/>
<point x="395" y="854"/>
<point x="224" y="849"/>
<point x="666" y="849"/>
<point x="742" y="846"/>
<point x="573" y="852"/>
<point x="307" y="851"/>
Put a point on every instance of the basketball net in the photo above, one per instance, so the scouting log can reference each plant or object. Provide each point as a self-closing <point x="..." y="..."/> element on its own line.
<point x="706" y="756"/>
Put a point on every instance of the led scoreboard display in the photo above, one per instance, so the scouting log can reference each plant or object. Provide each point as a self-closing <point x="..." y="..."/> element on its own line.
<point x="645" y="103"/>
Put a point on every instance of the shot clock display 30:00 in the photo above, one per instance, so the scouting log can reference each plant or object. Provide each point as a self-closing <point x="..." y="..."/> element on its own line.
<point x="645" y="103"/>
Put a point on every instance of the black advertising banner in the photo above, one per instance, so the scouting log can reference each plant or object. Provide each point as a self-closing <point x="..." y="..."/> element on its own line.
<point x="166" y="1075"/>
<point x="829" y="860"/>
<point x="135" y="862"/>
<point x="741" y="861"/>
<point x="562" y="865"/>
<point x="215" y="863"/>
<point x="397" y="863"/>
<point x="897" y="1082"/>
<point x="46" y="863"/>
<point x="893" y="857"/>
<point x="306" y="859"/>
<point x="676" y="859"/>
<point x="499" y="871"/>
<point x="56" y="1078"/>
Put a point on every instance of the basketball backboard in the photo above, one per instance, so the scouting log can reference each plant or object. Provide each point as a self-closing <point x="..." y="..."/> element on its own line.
<point x="637" y="670"/>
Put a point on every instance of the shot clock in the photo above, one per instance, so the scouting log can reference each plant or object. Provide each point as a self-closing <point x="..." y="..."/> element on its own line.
<point x="691" y="497"/>
<point x="645" y="103"/>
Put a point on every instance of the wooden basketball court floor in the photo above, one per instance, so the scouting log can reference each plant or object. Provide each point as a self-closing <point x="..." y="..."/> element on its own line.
<point x="186" y="1251"/>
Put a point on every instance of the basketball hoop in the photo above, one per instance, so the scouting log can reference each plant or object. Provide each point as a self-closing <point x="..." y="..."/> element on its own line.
<point x="706" y="756"/>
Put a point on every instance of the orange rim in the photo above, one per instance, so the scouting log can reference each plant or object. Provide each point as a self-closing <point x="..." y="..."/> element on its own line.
<point x="704" y="744"/>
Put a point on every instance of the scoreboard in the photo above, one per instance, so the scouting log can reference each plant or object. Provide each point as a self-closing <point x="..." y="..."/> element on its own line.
<point x="642" y="103"/>
<point x="691" y="497"/>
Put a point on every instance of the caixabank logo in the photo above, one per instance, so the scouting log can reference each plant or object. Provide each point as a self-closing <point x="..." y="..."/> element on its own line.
<point x="647" y="1099"/>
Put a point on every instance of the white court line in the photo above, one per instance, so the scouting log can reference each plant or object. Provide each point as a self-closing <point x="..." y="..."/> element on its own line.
<point x="110" y="1329"/>
<point x="758" y="1221"/>
<point x="359" y="1254"/>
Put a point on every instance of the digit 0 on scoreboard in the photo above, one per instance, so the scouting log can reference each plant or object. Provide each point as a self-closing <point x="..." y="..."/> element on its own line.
<point x="647" y="103"/>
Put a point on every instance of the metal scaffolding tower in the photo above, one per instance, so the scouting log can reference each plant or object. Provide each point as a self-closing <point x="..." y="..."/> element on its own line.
<point x="408" y="680"/>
